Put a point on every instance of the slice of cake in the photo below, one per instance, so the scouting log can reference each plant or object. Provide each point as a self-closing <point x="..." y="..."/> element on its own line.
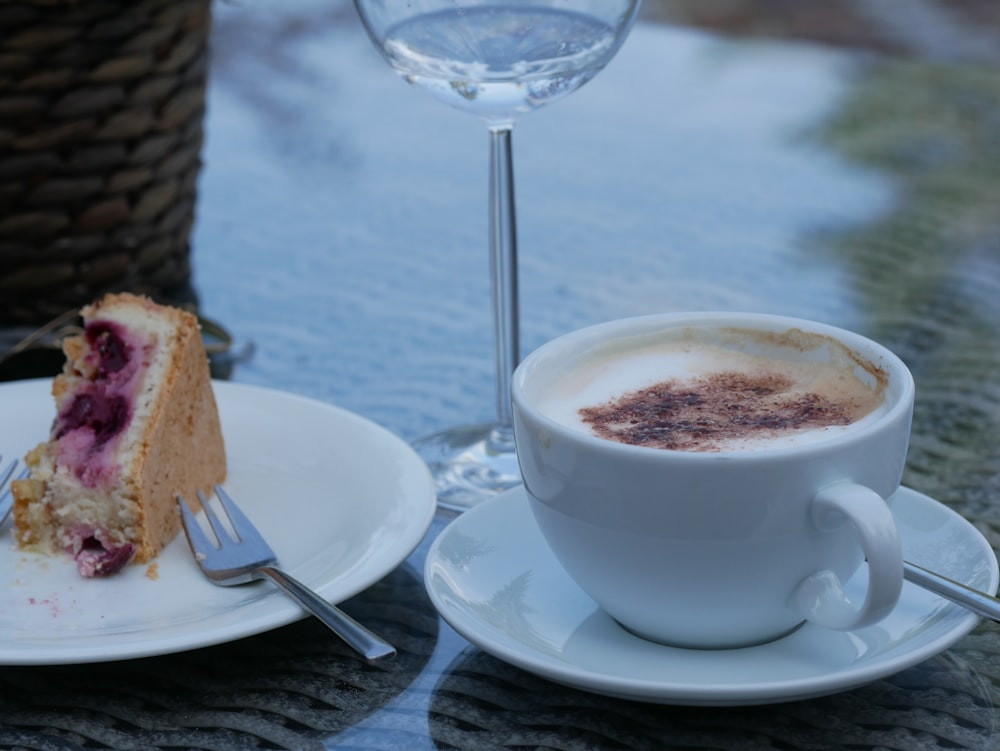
<point x="136" y="423"/>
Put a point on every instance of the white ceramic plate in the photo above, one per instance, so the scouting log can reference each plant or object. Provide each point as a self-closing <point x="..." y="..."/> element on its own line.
<point x="492" y="577"/>
<point x="341" y="500"/>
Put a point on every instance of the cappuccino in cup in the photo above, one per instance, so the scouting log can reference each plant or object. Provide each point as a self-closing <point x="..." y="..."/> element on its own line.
<point x="726" y="390"/>
<point x="712" y="479"/>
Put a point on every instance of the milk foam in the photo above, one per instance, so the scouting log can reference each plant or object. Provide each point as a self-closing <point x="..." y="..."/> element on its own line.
<point x="610" y="375"/>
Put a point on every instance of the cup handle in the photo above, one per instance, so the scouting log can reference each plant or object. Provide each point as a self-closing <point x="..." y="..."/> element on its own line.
<point x="820" y="597"/>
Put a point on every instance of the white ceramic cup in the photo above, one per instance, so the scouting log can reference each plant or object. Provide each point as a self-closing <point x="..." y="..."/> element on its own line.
<point x="726" y="548"/>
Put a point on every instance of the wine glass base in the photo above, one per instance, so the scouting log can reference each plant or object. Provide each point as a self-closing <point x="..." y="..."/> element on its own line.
<point x="470" y="464"/>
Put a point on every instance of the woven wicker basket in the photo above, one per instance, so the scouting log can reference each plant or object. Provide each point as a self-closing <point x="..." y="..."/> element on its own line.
<point x="101" y="110"/>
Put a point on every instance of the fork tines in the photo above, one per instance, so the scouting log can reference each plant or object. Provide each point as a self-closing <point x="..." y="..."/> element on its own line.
<point x="6" y="472"/>
<point x="7" y="497"/>
<point x="241" y="529"/>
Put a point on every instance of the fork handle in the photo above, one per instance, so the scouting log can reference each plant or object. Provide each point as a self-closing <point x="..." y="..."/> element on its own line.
<point x="372" y="647"/>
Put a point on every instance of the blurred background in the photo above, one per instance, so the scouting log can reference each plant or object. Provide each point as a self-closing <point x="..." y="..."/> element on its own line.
<point x="966" y="30"/>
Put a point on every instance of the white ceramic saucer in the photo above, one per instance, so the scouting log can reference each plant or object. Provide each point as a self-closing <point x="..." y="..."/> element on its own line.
<point x="494" y="580"/>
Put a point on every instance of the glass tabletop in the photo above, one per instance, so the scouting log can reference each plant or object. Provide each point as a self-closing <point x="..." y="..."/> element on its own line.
<point x="340" y="232"/>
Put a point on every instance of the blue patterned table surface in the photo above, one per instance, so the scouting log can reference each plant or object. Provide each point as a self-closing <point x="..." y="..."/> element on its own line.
<point x="341" y="228"/>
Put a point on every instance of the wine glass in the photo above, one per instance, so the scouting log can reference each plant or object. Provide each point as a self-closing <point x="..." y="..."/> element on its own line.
<point x="496" y="59"/>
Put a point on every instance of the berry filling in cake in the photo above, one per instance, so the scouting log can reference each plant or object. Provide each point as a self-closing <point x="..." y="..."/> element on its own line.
<point x="95" y="557"/>
<point x="101" y="408"/>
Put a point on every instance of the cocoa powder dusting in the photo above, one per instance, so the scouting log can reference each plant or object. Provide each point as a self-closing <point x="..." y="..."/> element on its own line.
<point x="705" y="414"/>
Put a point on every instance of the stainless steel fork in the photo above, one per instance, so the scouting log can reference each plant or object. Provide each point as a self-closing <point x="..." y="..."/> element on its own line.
<point x="7" y="498"/>
<point x="230" y="561"/>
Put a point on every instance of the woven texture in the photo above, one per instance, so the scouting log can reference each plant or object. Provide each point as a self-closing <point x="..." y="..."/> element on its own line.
<point x="101" y="110"/>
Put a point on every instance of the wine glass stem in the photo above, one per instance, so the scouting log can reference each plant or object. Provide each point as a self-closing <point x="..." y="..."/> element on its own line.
<point x="503" y="276"/>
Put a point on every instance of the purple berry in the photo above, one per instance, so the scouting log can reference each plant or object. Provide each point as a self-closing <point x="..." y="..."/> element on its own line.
<point x="105" y="415"/>
<point x="105" y="337"/>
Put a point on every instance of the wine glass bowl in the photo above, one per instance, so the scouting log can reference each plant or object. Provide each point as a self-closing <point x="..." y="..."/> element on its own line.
<point x="496" y="59"/>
